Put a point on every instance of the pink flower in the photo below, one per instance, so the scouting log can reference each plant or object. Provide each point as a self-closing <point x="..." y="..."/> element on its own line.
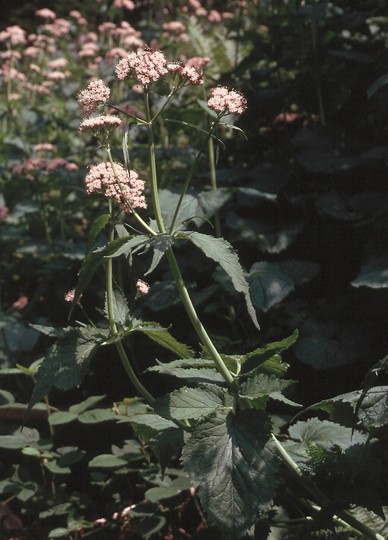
<point x="15" y="35"/>
<point x="21" y="302"/>
<point x="118" y="184"/>
<point x="4" y="212"/>
<point x="104" y="122"/>
<point x="142" y="287"/>
<point x="69" y="296"/>
<point x="46" y="13"/>
<point x="44" y="147"/>
<point x="198" y="62"/>
<point x="96" y="93"/>
<point x="214" y="16"/>
<point x="188" y="74"/>
<point x="146" y="65"/>
<point x="224" y="101"/>
<point x="126" y="4"/>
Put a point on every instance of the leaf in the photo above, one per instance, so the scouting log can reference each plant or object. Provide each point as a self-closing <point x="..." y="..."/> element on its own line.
<point x="261" y="386"/>
<point x="373" y="274"/>
<point x="188" y="208"/>
<point x="96" y="416"/>
<point x="155" y="494"/>
<point x="325" y="434"/>
<point x="373" y="409"/>
<point x="162" y="336"/>
<point x="130" y="245"/>
<point x="222" y="252"/>
<point x="58" y="418"/>
<point x="266" y="359"/>
<point x="160" y="244"/>
<point x="381" y="81"/>
<point x="227" y="457"/>
<point x="92" y="262"/>
<point x="89" y="402"/>
<point x="191" y="370"/>
<point x="211" y="201"/>
<point x="19" y="439"/>
<point x="153" y="421"/>
<point x="66" y="362"/>
<point x="269" y="285"/>
<point x="107" y="461"/>
<point x="121" y="311"/>
<point x="97" y="226"/>
<point x="191" y="403"/>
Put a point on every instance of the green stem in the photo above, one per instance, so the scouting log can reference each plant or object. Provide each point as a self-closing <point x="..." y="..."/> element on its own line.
<point x="213" y="183"/>
<point x="343" y="516"/>
<point x="195" y="321"/>
<point x="112" y="325"/>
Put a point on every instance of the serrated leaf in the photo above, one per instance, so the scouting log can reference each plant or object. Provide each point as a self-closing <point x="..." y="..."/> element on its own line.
<point x="107" y="461"/>
<point x="120" y="306"/>
<point x="190" y="370"/>
<point x="160" y="244"/>
<point x="153" y="421"/>
<point x="130" y="245"/>
<point x="92" y="262"/>
<point x="227" y="457"/>
<point x="66" y="362"/>
<point x="325" y="434"/>
<point x="267" y="359"/>
<point x="97" y="226"/>
<point x="260" y="386"/>
<point x="269" y="285"/>
<point x="162" y="336"/>
<point x="191" y="403"/>
<point x="222" y="252"/>
<point x="188" y="209"/>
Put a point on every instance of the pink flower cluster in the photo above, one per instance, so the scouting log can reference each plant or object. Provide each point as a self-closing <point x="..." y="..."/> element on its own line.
<point x="187" y="73"/>
<point x="118" y="184"/>
<point x="142" y="287"/>
<point x="145" y="66"/>
<point x="39" y="164"/>
<point x="95" y="94"/>
<point x="224" y="101"/>
<point x="103" y="122"/>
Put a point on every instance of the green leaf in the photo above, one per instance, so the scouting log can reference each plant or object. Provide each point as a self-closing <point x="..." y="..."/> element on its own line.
<point x="89" y="402"/>
<point x="97" y="226"/>
<point x="212" y="200"/>
<point x="92" y="262"/>
<point x="381" y="81"/>
<point x="191" y="403"/>
<point x="121" y="311"/>
<point x="130" y="245"/>
<point x="373" y="409"/>
<point x="107" y="461"/>
<point x="188" y="209"/>
<point x="269" y="285"/>
<point x="162" y="336"/>
<point x="227" y="457"/>
<point x="267" y="359"/>
<point x="160" y="244"/>
<point x="222" y="252"/>
<point x="59" y="532"/>
<point x="260" y="386"/>
<point x="155" y="494"/>
<point x="66" y="362"/>
<point x="58" y="418"/>
<point x="96" y="416"/>
<point x="19" y="439"/>
<point x="325" y="434"/>
<point x="191" y="370"/>
<point x="373" y="274"/>
<point x="153" y="421"/>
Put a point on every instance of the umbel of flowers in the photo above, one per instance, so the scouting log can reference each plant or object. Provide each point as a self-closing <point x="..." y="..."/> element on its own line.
<point x="144" y="67"/>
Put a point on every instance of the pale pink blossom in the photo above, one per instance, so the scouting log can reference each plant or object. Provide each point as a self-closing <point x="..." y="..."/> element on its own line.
<point x="100" y="521"/>
<point x="118" y="184"/>
<point x="69" y="296"/>
<point x="58" y="63"/>
<point x="198" y="62"/>
<point x="21" y="302"/>
<point x="32" y="52"/>
<point x="44" y="147"/>
<point x="224" y="101"/>
<point x="142" y="287"/>
<point x="187" y="74"/>
<point x="59" y="28"/>
<point x="103" y="122"/>
<point x="214" y="16"/>
<point x="174" y="26"/>
<point x="4" y="212"/>
<point x="14" y="35"/>
<point x="114" y="54"/>
<point x="46" y="13"/>
<point x="88" y="50"/>
<point x="146" y="65"/>
<point x="126" y="4"/>
<point x="57" y="75"/>
<point x="95" y="94"/>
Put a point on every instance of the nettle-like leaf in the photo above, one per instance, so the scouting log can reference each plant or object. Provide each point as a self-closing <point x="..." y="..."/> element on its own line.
<point x="65" y="365"/>
<point x="162" y="336"/>
<point x="160" y="244"/>
<point x="228" y="458"/>
<point x="267" y="359"/>
<point x="188" y="209"/>
<point x="222" y="252"/>
<point x="193" y="370"/>
<point x="121" y="312"/>
<point x="192" y="403"/>
<point x="261" y="387"/>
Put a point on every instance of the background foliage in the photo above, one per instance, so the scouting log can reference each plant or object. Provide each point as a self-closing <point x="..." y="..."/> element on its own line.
<point x="304" y="201"/>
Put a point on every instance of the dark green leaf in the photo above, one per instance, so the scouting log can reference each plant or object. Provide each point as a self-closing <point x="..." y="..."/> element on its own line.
<point x="190" y="370"/>
<point x="96" y="416"/>
<point x="97" y="226"/>
<point x="227" y="457"/>
<point x="260" y="385"/>
<point x="107" y="461"/>
<point x="121" y="312"/>
<point x="325" y="434"/>
<point x="222" y="252"/>
<point x="165" y="492"/>
<point x="191" y="403"/>
<point x="373" y="274"/>
<point x="88" y="403"/>
<point x="160" y="245"/>
<point x="163" y="337"/>
<point x="267" y="359"/>
<point x="66" y="362"/>
<point x="269" y="285"/>
<point x="130" y="245"/>
<point x="59" y="418"/>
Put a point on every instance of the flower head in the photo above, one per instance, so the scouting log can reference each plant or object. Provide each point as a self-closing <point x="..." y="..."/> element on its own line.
<point x="142" y="287"/>
<point x="96" y="93"/>
<point x="188" y="74"/>
<point x="145" y="65"/>
<point x="224" y="101"/>
<point x="104" y="123"/>
<point x="118" y="184"/>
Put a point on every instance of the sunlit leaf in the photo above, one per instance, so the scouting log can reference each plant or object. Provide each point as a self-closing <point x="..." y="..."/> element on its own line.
<point x="192" y="403"/>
